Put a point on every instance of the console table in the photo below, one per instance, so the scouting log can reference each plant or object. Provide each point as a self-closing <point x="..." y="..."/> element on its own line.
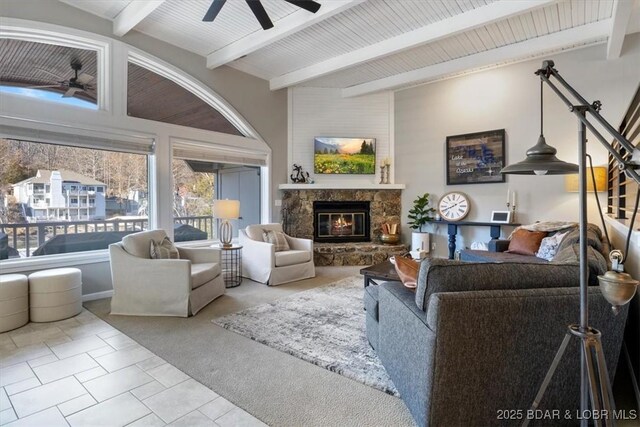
<point x="452" y="230"/>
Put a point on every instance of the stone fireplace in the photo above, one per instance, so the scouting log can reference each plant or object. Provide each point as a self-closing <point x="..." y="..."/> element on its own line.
<point x="341" y="222"/>
<point x="299" y="218"/>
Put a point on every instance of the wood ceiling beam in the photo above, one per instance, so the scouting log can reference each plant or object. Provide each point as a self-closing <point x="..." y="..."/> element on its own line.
<point x="619" y="23"/>
<point x="133" y="14"/>
<point x="447" y="27"/>
<point x="284" y="27"/>
<point x="589" y="33"/>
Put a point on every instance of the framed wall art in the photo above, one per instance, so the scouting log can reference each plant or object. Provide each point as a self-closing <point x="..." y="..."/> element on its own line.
<point x="476" y="158"/>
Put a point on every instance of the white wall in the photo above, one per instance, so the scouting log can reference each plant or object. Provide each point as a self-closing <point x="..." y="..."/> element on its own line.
<point x="507" y="97"/>
<point x="323" y="112"/>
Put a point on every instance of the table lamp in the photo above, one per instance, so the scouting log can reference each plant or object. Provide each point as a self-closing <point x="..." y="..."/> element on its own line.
<point x="226" y="209"/>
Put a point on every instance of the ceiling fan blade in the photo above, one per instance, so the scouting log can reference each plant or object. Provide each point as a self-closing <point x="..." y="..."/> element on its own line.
<point x="213" y="11"/>
<point x="309" y="5"/>
<point x="41" y="87"/>
<point x="69" y="93"/>
<point x="57" y="76"/>
<point x="84" y="78"/>
<point x="260" y="13"/>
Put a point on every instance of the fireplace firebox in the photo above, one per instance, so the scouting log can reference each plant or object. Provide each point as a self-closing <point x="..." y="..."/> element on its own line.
<point x="340" y="222"/>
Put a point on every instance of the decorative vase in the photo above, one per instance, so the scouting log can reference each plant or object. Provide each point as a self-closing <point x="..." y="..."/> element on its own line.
<point x="390" y="239"/>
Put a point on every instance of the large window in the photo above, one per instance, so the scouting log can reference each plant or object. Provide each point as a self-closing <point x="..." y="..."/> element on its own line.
<point x="57" y="199"/>
<point x="153" y="97"/>
<point x="197" y="183"/>
<point x="49" y="72"/>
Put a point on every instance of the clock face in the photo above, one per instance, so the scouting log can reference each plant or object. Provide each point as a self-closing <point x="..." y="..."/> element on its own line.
<point x="453" y="206"/>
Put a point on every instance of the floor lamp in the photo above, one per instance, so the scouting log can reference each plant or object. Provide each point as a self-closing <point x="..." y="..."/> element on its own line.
<point x="617" y="288"/>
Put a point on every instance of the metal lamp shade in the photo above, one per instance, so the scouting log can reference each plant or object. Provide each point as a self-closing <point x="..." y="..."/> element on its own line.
<point x="226" y="210"/>
<point x="541" y="160"/>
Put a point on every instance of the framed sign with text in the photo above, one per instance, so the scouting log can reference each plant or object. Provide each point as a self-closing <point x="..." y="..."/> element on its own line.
<point x="475" y="158"/>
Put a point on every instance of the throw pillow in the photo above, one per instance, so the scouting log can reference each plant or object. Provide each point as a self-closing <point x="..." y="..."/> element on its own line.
<point x="163" y="250"/>
<point x="525" y="242"/>
<point x="276" y="238"/>
<point x="407" y="270"/>
<point x="549" y="246"/>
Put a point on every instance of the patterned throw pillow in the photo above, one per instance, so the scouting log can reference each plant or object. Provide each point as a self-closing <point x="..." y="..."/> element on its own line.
<point x="276" y="238"/>
<point x="549" y="246"/>
<point x="163" y="250"/>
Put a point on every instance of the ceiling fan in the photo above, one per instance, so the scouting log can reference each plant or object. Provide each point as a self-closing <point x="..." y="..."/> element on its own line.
<point x="78" y="83"/>
<point x="259" y="11"/>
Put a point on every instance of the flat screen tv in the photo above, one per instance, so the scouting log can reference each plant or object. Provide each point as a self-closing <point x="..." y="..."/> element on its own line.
<point x="344" y="155"/>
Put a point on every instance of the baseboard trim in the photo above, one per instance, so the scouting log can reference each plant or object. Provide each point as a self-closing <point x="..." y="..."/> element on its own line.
<point x="97" y="295"/>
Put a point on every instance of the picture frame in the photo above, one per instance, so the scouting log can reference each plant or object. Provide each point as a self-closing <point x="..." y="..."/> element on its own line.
<point x="475" y="158"/>
<point x="501" y="217"/>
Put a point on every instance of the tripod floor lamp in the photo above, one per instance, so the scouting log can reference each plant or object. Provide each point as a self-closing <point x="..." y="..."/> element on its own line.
<point x="618" y="288"/>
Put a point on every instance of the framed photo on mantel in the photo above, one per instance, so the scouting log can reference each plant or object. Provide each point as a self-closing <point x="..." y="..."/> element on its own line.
<point x="475" y="158"/>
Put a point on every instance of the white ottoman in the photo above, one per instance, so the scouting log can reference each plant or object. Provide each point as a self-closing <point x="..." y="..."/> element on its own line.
<point x="55" y="294"/>
<point x="14" y="301"/>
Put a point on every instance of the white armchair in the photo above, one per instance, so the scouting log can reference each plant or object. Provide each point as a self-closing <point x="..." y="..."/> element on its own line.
<point x="261" y="263"/>
<point x="162" y="287"/>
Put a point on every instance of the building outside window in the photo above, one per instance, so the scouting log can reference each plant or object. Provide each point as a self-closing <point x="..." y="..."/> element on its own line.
<point x="48" y="207"/>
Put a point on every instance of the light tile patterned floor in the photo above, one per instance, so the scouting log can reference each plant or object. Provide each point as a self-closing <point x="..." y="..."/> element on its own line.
<point x="83" y="372"/>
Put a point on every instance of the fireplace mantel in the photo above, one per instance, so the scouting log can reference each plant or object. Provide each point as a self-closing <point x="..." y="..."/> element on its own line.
<point x="342" y="186"/>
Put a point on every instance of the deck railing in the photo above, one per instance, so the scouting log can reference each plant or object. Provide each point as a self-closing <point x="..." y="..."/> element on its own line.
<point x="27" y="237"/>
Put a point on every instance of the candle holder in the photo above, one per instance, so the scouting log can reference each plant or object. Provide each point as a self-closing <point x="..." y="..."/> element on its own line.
<point x="386" y="178"/>
<point x="512" y="208"/>
<point x="382" y="174"/>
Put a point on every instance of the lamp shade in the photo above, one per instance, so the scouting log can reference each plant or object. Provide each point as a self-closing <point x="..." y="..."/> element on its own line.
<point x="541" y="160"/>
<point x="571" y="182"/>
<point x="226" y="209"/>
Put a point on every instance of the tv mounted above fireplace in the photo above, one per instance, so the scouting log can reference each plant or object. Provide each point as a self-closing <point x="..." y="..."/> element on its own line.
<point x="344" y="155"/>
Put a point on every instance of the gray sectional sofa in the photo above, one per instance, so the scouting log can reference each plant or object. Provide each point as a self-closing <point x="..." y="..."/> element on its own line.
<point x="477" y="338"/>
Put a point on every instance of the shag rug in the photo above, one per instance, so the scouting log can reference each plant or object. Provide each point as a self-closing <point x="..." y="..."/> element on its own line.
<point x="324" y="326"/>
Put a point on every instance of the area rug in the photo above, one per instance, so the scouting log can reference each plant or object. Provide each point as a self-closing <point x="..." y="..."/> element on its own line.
<point x="324" y="326"/>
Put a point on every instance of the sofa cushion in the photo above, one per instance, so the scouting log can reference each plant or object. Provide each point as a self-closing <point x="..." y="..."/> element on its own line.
<point x="443" y="275"/>
<point x="255" y="231"/>
<point x="371" y="301"/>
<point x="488" y="256"/>
<point x="277" y="239"/>
<point x="594" y="238"/>
<point x="549" y="246"/>
<point x="163" y="250"/>
<point x="570" y="255"/>
<point x="137" y="244"/>
<point x="285" y="258"/>
<point x="203" y="273"/>
<point x="525" y="242"/>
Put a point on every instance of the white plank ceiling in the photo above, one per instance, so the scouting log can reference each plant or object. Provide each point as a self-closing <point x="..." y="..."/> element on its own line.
<point x="362" y="24"/>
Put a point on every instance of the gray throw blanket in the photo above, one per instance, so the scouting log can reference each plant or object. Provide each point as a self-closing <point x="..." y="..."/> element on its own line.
<point x="569" y="251"/>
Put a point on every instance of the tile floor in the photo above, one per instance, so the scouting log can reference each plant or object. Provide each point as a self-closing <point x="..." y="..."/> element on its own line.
<point x="83" y="372"/>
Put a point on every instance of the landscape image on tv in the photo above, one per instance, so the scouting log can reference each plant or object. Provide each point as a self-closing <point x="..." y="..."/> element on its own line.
<point x="344" y="155"/>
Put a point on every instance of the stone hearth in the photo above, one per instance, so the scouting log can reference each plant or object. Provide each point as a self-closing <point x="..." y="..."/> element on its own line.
<point x="355" y="253"/>
<point x="297" y="215"/>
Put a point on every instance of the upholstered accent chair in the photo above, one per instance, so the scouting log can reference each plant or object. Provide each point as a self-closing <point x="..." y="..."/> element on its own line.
<point x="162" y="287"/>
<point x="261" y="262"/>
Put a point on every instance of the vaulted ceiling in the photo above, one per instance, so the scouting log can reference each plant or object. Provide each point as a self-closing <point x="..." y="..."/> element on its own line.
<point x="365" y="46"/>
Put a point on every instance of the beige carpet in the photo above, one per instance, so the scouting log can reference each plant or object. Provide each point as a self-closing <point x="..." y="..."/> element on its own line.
<point x="277" y="388"/>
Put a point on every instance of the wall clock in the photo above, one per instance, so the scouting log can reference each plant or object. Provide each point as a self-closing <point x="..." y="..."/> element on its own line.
<point x="453" y="206"/>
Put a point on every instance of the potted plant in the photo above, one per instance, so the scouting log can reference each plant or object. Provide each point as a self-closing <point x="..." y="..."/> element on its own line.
<point x="419" y="215"/>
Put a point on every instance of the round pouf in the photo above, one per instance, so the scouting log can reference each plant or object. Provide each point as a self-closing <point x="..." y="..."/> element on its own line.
<point x="14" y="301"/>
<point x="55" y="294"/>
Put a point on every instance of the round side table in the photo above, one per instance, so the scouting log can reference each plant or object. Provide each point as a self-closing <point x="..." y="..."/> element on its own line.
<point x="231" y="258"/>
